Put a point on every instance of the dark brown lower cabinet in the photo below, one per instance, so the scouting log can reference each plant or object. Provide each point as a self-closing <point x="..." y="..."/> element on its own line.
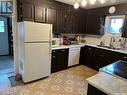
<point x="59" y="60"/>
<point x="94" y="91"/>
<point x="101" y="58"/>
<point x="97" y="58"/>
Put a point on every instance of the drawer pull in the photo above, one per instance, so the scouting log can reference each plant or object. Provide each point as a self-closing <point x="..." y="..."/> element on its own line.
<point x="63" y="50"/>
<point x="54" y="51"/>
<point x="53" y="56"/>
<point x="89" y="48"/>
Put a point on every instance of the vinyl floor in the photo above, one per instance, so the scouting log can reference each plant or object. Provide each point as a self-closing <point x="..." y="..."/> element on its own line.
<point x="71" y="81"/>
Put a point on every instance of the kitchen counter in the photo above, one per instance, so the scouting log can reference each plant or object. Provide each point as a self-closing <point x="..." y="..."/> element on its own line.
<point x="115" y="50"/>
<point x="108" y="84"/>
<point x="83" y="44"/>
<point x="67" y="46"/>
<point x="117" y="69"/>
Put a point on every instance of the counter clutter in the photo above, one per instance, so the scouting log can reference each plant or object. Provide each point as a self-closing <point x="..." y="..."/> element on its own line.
<point x="83" y="44"/>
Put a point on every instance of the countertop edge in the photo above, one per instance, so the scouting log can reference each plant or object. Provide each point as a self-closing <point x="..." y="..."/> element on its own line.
<point x="82" y="45"/>
<point x="94" y="80"/>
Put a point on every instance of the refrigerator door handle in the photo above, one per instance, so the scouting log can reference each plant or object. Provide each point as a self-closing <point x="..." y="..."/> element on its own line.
<point x="50" y="43"/>
<point x="50" y="51"/>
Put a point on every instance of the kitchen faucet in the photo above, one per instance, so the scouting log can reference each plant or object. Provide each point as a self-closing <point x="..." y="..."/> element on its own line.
<point x="112" y="40"/>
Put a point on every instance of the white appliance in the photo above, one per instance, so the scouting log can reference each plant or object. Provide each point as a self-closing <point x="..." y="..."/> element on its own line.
<point x="55" y="42"/>
<point x="74" y="54"/>
<point x="34" y="50"/>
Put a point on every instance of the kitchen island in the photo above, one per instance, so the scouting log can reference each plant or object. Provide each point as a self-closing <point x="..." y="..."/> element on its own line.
<point x="109" y="83"/>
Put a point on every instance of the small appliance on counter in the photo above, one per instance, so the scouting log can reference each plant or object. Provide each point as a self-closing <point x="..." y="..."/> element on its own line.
<point x="66" y="40"/>
<point x="55" y="42"/>
<point x="73" y="41"/>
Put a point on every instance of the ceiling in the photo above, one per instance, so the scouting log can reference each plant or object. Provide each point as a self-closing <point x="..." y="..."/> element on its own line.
<point x="97" y="4"/>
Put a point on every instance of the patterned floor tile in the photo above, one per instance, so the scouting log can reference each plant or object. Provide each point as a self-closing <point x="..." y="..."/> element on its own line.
<point x="67" y="82"/>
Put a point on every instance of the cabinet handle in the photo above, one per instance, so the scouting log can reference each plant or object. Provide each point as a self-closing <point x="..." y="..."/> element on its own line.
<point x="89" y="48"/>
<point x="54" y="51"/>
<point x="63" y="50"/>
<point x="125" y="57"/>
<point x="53" y="56"/>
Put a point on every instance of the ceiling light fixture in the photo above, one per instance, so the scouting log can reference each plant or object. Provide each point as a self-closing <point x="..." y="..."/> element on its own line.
<point x="92" y="2"/>
<point x="76" y="5"/>
<point x="102" y="1"/>
<point x="83" y="3"/>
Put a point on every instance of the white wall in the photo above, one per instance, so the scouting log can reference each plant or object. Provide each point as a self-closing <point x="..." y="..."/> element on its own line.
<point x="15" y="37"/>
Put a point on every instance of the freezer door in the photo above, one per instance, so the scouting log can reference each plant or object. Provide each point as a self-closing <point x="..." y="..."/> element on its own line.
<point x="37" y="32"/>
<point x="37" y="63"/>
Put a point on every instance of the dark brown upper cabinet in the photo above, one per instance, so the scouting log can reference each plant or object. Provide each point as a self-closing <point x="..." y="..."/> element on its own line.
<point x="82" y="23"/>
<point x="52" y="17"/>
<point x="28" y="1"/>
<point x="27" y="12"/>
<point x="40" y="14"/>
<point x="124" y="30"/>
<point x="72" y="23"/>
<point x="61" y="22"/>
<point x="95" y="24"/>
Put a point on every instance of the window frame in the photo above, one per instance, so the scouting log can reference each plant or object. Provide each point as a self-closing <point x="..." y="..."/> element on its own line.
<point x="5" y="7"/>
<point x="3" y="26"/>
<point x="108" y="20"/>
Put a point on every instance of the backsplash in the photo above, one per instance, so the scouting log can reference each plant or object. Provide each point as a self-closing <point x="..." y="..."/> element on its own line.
<point x="95" y="39"/>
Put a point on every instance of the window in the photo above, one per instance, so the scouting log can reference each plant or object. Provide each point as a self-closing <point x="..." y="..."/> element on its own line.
<point x="115" y="24"/>
<point x="2" y="26"/>
<point x="6" y="7"/>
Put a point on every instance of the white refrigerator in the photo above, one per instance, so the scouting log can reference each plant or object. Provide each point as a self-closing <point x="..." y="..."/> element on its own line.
<point x="34" y="49"/>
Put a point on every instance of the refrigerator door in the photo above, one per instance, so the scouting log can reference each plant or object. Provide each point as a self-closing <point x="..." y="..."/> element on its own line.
<point x="37" y="32"/>
<point x="37" y="63"/>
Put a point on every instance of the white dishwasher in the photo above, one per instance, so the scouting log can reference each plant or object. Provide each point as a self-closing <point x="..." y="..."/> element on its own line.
<point x="74" y="54"/>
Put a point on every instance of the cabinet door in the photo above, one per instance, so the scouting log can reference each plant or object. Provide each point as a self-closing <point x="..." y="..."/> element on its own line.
<point x="82" y="24"/>
<point x="40" y="14"/>
<point x="101" y="58"/>
<point x="28" y="1"/>
<point x="89" y="56"/>
<point x="54" y="61"/>
<point x="51" y="18"/>
<point x="82" y="55"/>
<point x="94" y="91"/>
<point x="60" y="26"/>
<point x="62" y="59"/>
<point x="27" y="12"/>
<point x="95" y="24"/>
<point x="72" y="23"/>
<point x="19" y="11"/>
<point x="118" y="56"/>
<point x="124" y="30"/>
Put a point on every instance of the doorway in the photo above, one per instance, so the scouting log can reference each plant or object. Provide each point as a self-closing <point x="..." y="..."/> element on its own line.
<point x="6" y="45"/>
